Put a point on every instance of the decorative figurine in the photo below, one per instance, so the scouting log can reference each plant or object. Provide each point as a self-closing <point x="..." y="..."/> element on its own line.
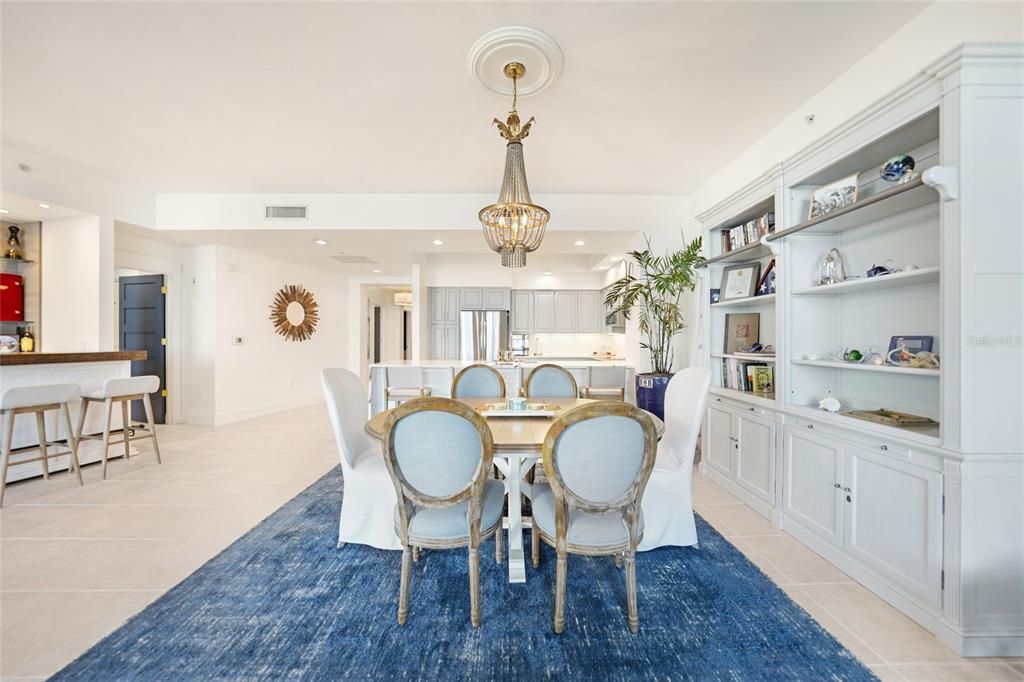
<point x="832" y="269"/>
<point x="898" y="169"/>
<point x="13" y="243"/>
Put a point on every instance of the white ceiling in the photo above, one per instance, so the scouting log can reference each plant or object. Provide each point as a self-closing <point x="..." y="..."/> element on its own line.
<point x="394" y="250"/>
<point x="376" y="97"/>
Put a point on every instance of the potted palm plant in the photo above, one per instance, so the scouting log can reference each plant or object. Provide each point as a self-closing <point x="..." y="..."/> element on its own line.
<point x="652" y="289"/>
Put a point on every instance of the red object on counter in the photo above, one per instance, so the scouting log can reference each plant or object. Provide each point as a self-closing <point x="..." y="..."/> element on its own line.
<point x="12" y="297"/>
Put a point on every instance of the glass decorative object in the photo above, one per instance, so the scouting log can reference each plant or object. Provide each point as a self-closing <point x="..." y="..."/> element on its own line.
<point x="898" y="169"/>
<point x="13" y="243"/>
<point x="832" y="269"/>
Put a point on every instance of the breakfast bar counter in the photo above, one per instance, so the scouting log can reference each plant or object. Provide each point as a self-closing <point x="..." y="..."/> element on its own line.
<point x="88" y="370"/>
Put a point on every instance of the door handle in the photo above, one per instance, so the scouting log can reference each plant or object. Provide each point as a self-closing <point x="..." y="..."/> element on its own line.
<point x="810" y="426"/>
<point x="847" y="490"/>
<point x="837" y="485"/>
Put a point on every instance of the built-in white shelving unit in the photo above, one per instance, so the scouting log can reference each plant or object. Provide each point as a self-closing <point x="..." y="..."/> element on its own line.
<point x="927" y="516"/>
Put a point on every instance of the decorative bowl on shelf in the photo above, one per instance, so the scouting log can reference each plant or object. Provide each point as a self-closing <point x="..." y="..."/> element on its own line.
<point x="898" y="169"/>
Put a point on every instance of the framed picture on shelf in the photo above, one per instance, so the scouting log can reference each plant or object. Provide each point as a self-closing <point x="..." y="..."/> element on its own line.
<point x="740" y="281"/>
<point x="767" y="283"/>
<point x="716" y="295"/>
<point x="833" y="196"/>
<point x="742" y="330"/>
<point x="908" y="345"/>
<point x="764" y="380"/>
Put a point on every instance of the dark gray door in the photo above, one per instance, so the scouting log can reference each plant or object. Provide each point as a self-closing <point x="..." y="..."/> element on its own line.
<point x="142" y="326"/>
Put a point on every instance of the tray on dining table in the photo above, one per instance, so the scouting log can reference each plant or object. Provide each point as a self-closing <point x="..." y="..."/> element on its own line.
<point x="546" y="410"/>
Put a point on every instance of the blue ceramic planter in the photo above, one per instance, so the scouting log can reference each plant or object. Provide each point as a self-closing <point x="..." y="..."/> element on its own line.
<point x="650" y="393"/>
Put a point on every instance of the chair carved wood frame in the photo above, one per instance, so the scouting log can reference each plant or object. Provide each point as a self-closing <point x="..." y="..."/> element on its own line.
<point x="409" y="497"/>
<point x="546" y="366"/>
<point x="476" y="368"/>
<point x="628" y="504"/>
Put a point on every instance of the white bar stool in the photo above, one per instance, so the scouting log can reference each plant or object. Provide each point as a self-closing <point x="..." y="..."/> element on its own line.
<point x="605" y="383"/>
<point x="38" y="400"/>
<point x="124" y="391"/>
<point x="403" y="383"/>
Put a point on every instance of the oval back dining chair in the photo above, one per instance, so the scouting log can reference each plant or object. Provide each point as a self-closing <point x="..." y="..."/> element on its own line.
<point x="667" y="503"/>
<point x="439" y="453"/>
<point x="478" y="381"/>
<point x="550" y="381"/>
<point x="597" y="459"/>
<point x="368" y="501"/>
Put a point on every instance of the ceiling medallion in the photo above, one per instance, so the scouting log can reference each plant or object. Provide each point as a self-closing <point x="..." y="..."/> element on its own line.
<point x="515" y="225"/>
<point x="535" y="50"/>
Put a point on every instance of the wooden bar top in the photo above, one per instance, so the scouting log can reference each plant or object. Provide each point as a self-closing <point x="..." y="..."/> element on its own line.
<point x="9" y="359"/>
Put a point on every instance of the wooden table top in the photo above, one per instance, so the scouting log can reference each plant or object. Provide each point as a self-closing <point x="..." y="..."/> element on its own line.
<point x="513" y="433"/>
<point x="9" y="359"/>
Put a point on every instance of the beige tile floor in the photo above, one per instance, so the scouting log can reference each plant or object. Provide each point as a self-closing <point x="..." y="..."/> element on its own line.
<point x="78" y="562"/>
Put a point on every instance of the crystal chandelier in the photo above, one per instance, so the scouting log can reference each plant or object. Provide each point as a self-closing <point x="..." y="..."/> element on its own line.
<point x="515" y="225"/>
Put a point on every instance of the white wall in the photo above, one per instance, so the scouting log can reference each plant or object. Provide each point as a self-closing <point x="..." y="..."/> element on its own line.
<point x="199" y="334"/>
<point x="268" y="373"/>
<point x="76" y="280"/>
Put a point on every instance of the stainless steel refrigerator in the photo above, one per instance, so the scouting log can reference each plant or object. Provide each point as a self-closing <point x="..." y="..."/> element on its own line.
<point x="482" y="334"/>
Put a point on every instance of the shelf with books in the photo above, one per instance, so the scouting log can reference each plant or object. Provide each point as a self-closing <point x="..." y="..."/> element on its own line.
<point x="747" y="300"/>
<point x="749" y="252"/>
<point x="745" y="356"/>
<point x="865" y="367"/>
<point x="765" y="400"/>
<point x="897" y="279"/>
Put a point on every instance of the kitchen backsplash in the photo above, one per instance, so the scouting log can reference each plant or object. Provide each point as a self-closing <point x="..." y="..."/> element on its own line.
<point x="577" y="345"/>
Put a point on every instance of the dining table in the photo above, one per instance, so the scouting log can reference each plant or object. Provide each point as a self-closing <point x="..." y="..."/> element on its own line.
<point x="518" y="440"/>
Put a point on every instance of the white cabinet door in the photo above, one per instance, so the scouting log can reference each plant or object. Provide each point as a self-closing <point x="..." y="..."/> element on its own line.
<point x="719" y="440"/>
<point x="471" y="299"/>
<point x="755" y="461"/>
<point x="812" y="485"/>
<point x="437" y="306"/>
<point x="565" y="311"/>
<point x="543" y="311"/>
<point x="522" y="312"/>
<point x="451" y="342"/>
<point x="588" y="313"/>
<point x="451" y="306"/>
<point x="496" y="299"/>
<point x="437" y="341"/>
<point x="894" y="520"/>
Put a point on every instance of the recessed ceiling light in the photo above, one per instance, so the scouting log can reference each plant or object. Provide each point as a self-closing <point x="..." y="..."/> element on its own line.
<point x="44" y="206"/>
<point x="376" y="271"/>
<point x="320" y="242"/>
<point x="602" y="267"/>
<point x="547" y="273"/>
<point x="579" y="242"/>
<point x="4" y="211"/>
<point x="438" y="242"/>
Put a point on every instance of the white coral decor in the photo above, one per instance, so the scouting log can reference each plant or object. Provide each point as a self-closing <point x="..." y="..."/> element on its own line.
<point x="830" y="404"/>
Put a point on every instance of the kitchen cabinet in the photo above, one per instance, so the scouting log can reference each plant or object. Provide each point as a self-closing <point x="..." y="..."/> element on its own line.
<point x="565" y="311"/>
<point x="437" y="306"/>
<point x="589" y="319"/>
<point x="522" y="312"/>
<point x="497" y="299"/>
<point x="444" y="322"/>
<point x="471" y="299"/>
<point x="451" y="306"/>
<point x="543" y="312"/>
<point x="444" y="342"/>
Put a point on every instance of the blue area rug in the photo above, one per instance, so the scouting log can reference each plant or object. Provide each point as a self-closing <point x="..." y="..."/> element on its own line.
<point x="282" y="602"/>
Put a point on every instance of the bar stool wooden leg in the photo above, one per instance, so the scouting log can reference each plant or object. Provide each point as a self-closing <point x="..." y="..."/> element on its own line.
<point x="81" y="419"/>
<point x="108" y="412"/>
<point x="72" y="443"/>
<point x="41" y="432"/>
<point x="5" y="453"/>
<point x="152" y="427"/>
<point x="126" y="427"/>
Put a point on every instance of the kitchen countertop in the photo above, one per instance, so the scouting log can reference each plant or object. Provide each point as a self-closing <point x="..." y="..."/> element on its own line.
<point x="11" y="359"/>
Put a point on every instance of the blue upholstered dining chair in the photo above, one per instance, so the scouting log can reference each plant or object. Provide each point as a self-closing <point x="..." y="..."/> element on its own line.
<point x="550" y="381"/>
<point x="439" y="453"/>
<point x="597" y="459"/>
<point x="478" y="381"/>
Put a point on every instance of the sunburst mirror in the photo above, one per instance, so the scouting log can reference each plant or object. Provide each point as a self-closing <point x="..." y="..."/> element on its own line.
<point x="294" y="313"/>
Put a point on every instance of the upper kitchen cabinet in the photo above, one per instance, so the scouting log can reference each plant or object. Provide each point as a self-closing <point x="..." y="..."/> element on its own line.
<point x="565" y="311"/>
<point x="471" y="299"/>
<point x="522" y="312"/>
<point x="497" y="299"/>
<point x="475" y="298"/>
<point x="543" y="312"/>
<point x="589" y="319"/>
<point x="444" y="305"/>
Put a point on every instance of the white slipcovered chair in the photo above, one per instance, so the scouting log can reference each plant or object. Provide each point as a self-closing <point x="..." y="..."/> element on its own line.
<point x="368" y="502"/>
<point x="550" y="381"/>
<point x="439" y="453"/>
<point x="668" y="498"/>
<point x="598" y="459"/>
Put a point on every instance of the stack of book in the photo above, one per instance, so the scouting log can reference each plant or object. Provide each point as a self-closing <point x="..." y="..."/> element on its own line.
<point x="748" y="233"/>
<point x="750" y="376"/>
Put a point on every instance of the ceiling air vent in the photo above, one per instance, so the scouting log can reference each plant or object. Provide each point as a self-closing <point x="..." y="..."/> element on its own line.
<point x="292" y="212"/>
<point x="345" y="258"/>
